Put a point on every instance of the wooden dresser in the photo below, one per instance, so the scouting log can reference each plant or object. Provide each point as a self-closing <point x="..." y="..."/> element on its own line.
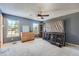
<point x="27" y="36"/>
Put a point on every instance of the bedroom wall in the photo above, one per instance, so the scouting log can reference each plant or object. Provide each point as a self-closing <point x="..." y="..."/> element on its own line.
<point x="71" y="25"/>
<point x="22" y="21"/>
<point x="55" y="25"/>
<point x="72" y="28"/>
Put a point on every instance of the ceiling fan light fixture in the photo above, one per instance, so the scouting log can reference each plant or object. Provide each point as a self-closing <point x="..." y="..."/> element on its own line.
<point x="42" y="15"/>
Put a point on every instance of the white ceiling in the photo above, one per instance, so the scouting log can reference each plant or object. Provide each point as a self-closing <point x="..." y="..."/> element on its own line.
<point x="30" y="10"/>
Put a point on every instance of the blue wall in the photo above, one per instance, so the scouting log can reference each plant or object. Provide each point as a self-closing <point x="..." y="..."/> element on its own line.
<point x="23" y="21"/>
<point x="72" y="28"/>
<point x="71" y="25"/>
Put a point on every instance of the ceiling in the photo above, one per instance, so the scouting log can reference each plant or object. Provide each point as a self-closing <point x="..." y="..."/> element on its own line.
<point x="30" y="10"/>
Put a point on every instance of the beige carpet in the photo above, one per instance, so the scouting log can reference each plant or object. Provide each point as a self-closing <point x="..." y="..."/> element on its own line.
<point x="38" y="47"/>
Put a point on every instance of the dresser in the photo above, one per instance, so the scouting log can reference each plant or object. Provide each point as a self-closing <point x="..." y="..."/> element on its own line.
<point x="27" y="36"/>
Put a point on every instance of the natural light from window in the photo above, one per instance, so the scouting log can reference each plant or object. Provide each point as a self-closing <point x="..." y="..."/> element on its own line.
<point x="13" y="28"/>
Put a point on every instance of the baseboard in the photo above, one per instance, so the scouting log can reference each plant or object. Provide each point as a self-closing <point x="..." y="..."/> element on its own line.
<point x="71" y="44"/>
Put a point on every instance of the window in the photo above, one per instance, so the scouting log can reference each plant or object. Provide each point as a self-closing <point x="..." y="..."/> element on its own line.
<point x="25" y="28"/>
<point x="13" y="28"/>
<point x="36" y="28"/>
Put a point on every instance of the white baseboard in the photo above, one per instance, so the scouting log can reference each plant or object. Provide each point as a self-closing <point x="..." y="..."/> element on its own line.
<point x="72" y="44"/>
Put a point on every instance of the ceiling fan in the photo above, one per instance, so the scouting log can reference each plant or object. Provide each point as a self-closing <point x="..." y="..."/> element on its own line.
<point x="42" y="14"/>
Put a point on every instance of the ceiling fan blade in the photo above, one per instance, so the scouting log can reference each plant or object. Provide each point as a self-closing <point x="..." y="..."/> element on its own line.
<point x="42" y="15"/>
<point x="39" y="15"/>
<point x="45" y="15"/>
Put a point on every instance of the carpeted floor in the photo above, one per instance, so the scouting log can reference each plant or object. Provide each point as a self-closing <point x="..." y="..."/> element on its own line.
<point x="38" y="47"/>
